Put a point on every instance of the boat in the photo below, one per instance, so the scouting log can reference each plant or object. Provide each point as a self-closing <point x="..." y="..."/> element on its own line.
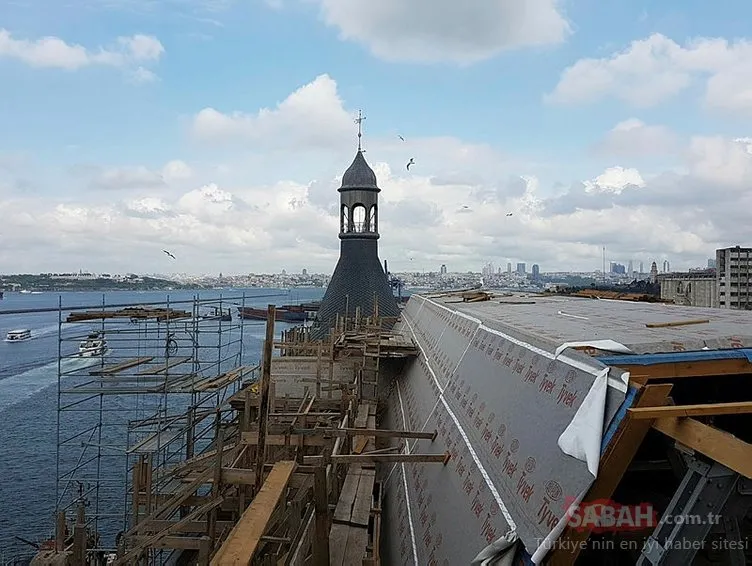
<point x="216" y="313"/>
<point x="18" y="335"/>
<point x="285" y="313"/>
<point x="94" y="345"/>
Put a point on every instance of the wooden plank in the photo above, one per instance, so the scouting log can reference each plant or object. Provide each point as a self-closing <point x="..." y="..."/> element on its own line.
<point x="614" y="463"/>
<point x="716" y="444"/>
<point x="108" y="370"/>
<point x="705" y="368"/>
<point x="161" y="368"/>
<point x="357" y="541"/>
<point x="321" y="505"/>
<point x="343" y="511"/>
<point x="245" y="537"/>
<point x="699" y="410"/>
<point x="378" y="458"/>
<point x="281" y="439"/>
<point x="361" y="509"/>
<point x="676" y="323"/>
<point x="386" y="433"/>
<point x="338" y="544"/>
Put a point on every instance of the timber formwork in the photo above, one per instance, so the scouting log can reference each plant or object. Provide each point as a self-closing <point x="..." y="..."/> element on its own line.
<point x="291" y="475"/>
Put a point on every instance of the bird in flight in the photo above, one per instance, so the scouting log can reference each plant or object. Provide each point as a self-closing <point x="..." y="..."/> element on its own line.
<point x="411" y="162"/>
<point x="465" y="206"/>
<point x="169" y="254"/>
<point x="509" y="213"/>
<point x="400" y="137"/>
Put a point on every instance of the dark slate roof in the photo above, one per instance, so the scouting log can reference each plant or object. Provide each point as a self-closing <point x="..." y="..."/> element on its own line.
<point x="359" y="175"/>
<point x="357" y="278"/>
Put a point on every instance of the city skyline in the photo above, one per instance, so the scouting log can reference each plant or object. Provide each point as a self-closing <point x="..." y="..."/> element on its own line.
<point x="553" y="133"/>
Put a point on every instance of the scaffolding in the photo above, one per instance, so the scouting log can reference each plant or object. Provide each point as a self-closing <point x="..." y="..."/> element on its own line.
<point x="139" y="387"/>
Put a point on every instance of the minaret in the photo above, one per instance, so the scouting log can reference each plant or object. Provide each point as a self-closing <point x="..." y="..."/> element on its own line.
<point x="358" y="279"/>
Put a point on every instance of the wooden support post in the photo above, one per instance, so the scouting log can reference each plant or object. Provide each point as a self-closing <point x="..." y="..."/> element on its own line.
<point x="619" y="453"/>
<point x="266" y="377"/>
<point x="321" y="539"/>
<point x="60" y="531"/>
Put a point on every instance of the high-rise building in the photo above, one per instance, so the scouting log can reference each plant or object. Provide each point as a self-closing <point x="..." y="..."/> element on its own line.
<point x="641" y="268"/>
<point x="509" y="267"/>
<point x="711" y="263"/>
<point x="653" y="273"/>
<point x="305" y="271"/>
<point x="618" y="268"/>
<point x="630" y="267"/>
<point x="733" y="268"/>
<point x="521" y="268"/>
<point x="443" y="269"/>
<point x="536" y="271"/>
<point x="666" y="266"/>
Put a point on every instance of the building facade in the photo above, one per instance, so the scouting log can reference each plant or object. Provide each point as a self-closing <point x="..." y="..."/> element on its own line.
<point x="733" y="268"/>
<point x="693" y="289"/>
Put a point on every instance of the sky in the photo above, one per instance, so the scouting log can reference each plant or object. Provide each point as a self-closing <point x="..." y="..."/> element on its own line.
<point x="219" y="130"/>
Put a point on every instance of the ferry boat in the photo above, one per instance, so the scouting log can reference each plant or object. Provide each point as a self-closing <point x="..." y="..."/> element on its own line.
<point x="94" y="345"/>
<point x="18" y="335"/>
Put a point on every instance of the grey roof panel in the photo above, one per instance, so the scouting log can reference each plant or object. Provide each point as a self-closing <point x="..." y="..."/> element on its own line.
<point x="359" y="175"/>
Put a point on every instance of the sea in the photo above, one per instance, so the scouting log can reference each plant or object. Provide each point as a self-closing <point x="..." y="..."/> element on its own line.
<point x="29" y="403"/>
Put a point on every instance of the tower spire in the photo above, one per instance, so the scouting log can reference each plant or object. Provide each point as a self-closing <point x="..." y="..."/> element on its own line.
<point x="359" y="122"/>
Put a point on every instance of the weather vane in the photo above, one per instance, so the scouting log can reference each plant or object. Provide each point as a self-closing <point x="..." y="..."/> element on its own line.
<point x="359" y="122"/>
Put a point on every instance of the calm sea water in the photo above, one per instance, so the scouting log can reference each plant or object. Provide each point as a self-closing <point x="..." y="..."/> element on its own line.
<point x="28" y="403"/>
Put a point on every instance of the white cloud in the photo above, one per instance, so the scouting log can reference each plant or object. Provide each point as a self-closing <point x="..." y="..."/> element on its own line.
<point x="52" y="52"/>
<point x="313" y="115"/>
<point x="446" y="30"/>
<point x="219" y="216"/>
<point x="634" y="138"/>
<point x="654" y="69"/>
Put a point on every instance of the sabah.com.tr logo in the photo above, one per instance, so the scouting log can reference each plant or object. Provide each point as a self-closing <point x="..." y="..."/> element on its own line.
<point x="604" y="515"/>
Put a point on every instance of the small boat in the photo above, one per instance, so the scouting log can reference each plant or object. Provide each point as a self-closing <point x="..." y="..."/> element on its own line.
<point x="94" y="345"/>
<point x="18" y="335"/>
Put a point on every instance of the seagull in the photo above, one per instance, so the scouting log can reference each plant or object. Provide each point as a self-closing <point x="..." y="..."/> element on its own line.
<point x="465" y="206"/>
<point x="509" y="213"/>
<point x="411" y="162"/>
<point x="400" y="137"/>
<point x="169" y="254"/>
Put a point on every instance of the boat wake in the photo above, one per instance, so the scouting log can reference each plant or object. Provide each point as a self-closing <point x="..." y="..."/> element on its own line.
<point x="21" y="386"/>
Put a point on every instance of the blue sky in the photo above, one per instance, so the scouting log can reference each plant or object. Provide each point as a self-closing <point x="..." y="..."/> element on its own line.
<point x="490" y="97"/>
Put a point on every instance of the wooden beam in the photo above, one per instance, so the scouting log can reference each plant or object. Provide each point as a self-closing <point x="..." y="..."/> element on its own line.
<point x="614" y="463"/>
<point x="386" y="433"/>
<point x="378" y="458"/>
<point x="107" y="370"/>
<point x="704" y="368"/>
<point x="245" y="538"/>
<point x="266" y="377"/>
<point x="716" y="444"/>
<point x="699" y="410"/>
<point x="677" y="323"/>
<point x="282" y="440"/>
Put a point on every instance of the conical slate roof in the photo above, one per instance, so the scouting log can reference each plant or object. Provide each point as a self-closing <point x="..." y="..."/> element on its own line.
<point x="359" y="175"/>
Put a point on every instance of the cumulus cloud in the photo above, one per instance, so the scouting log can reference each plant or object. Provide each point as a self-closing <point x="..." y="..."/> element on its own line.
<point x="133" y="52"/>
<point x="652" y="70"/>
<point x="313" y="115"/>
<point x="451" y="207"/>
<point x="445" y="30"/>
<point x="634" y="138"/>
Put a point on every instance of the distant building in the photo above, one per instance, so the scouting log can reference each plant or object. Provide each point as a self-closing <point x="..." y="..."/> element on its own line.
<point x="693" y="289"/>
<point x="536" y="271"/>
<point x="618" y="268"/>
<point x="630" y="267"/>
<point x="666" y="266"/>
<point x="733" y="267"/>
<point x="509" y="267"/>
<point x="521" y="268"/>
<point x="305" y="271"/>
<point x="653" y="273"/>
<point x="712" y="263"/>
<point x="641" y="268"/>
<point x="443" y="269"/>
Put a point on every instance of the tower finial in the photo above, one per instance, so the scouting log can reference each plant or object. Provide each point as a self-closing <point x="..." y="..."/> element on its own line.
<point x="359" y="122"/>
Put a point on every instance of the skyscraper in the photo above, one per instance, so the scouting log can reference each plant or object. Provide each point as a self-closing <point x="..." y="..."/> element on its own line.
<point x="536" y="271"/>
<point x="443" y="269"/>
<point x="521" y="268"/>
